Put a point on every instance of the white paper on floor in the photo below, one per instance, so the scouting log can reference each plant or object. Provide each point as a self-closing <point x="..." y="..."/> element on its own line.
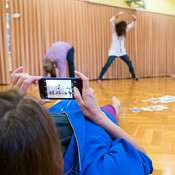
<point x="172" y="75"/>
<point x="135" y="109"/>
<point x="164" y="99"/>
<point x="150" y="108"/>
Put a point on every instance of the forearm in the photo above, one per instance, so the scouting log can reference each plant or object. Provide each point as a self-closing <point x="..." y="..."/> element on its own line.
<point x="116" y="16"/>
<point x="87" y="100"/>
<point x="44" y="73"/>
<point x="130" y="26"/>
<point x="116" y="132"/>
<point x="112" y="21"/>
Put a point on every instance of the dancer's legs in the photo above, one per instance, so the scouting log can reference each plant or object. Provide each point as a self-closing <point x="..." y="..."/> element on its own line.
<point x="127" y="60"/>
<point x="109" y="62"/>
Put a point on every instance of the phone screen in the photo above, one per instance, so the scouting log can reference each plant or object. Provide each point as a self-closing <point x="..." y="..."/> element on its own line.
<point x="59" y="88"/>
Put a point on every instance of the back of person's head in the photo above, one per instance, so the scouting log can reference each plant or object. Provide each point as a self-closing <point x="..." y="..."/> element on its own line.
<point x="49" y="66"/>
<point x="29" y="144"/>
<point x="121" y="28"/>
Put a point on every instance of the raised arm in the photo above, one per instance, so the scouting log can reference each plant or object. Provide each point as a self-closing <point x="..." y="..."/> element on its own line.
<point x="132" y="24"/>
<point x="112" y="20"/>
<point x="87" y="100"/>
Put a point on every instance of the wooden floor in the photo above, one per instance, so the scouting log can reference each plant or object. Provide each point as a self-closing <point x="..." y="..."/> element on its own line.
<point x="154" y="130"/>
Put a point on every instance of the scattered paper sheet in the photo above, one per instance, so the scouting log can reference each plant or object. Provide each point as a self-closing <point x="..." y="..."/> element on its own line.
<point x="164" y="99"/>
<point x="172" y="75"/>
<point x="135" y="109"/>
<point x="150" y="108"/>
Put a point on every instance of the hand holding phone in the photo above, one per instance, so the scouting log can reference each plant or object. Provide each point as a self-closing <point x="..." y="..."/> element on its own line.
<point x="59" y="88"/>
<point x="87" y="100"/>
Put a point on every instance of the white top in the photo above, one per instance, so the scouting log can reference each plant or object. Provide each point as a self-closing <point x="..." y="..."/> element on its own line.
<point x="117" y="45"/>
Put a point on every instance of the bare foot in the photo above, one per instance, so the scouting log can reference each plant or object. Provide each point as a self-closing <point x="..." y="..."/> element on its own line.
<point x="116" y="105"/>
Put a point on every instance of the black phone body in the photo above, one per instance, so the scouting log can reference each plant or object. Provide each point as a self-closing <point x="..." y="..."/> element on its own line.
<point x="59" y="88"/>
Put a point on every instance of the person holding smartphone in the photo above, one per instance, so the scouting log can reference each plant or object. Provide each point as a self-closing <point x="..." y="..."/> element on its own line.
<point x="56" y="57"/>
<point x="117" y="49"/>
<point x="92" y="142"/>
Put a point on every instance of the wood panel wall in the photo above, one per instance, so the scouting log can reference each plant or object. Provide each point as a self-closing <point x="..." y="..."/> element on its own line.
<point x="155" y="44"/>
<point x="4" y="59"/>
<point x="86" y="26"/>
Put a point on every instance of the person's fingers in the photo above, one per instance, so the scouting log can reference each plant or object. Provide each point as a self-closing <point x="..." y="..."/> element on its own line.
<point x="92" y="93"/>
<point x="20" y="80"/>
<point x="84" y="79"/>
<point x="78" y="97"/>
<point x="26" y="83"/>
<point x="18" y="70"/>
<point x="14" y="79"/>
<point x="93" y="96"/>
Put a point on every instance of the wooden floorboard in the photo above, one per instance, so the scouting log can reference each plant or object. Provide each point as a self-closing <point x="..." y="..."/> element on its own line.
<point x="154" y="130"/>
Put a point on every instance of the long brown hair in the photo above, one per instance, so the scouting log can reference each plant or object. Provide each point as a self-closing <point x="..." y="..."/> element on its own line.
<point x="29" y="144"/>
<point x="121" y="28"/>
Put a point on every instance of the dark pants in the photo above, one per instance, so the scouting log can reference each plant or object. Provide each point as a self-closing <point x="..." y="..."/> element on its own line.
<point x="70" y="60"/>
<point x="125" y="58"/>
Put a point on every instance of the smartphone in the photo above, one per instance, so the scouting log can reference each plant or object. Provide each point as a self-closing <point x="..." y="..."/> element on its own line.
<point x="59" y="88"/>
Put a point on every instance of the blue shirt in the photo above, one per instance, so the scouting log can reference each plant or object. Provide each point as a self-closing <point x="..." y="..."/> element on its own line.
<point x="93" y="152"/>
